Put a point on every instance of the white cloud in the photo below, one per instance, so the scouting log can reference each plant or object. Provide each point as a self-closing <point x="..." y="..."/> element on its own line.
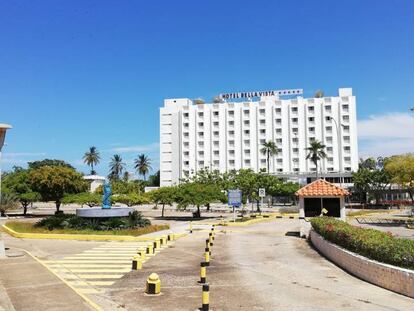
<point x="385" y="135"/>
<point x="154" y="147"/>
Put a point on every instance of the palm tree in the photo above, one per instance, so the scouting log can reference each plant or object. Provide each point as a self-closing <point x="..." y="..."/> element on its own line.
<point x="92" y="158"/>
<point x="316" y="152"/>
<point x="269" y="149"/>
<point x="143" y="165"/>
<point x="116" y="166"/>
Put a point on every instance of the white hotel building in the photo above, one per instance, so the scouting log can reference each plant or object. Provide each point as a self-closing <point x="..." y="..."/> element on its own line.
<point x="229" y="135"/>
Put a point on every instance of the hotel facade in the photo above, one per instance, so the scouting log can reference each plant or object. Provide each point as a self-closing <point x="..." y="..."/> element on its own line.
<point x="229" y="135"/>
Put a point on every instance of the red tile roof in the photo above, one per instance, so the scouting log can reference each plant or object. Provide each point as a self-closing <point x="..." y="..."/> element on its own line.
<point x="320" y="188"/>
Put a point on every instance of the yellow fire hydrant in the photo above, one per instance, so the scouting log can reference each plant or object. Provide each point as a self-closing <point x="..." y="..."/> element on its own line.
<point x="153" y="284"/>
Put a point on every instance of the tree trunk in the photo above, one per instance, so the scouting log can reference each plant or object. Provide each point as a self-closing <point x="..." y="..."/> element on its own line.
<point x="162" y="212"/>
<point x="316" y="164"/>
<point x="208" y="207"/>
<point x="25" y="208"/>
<point x="268" y="162"/>
<point x="57" y="206"/>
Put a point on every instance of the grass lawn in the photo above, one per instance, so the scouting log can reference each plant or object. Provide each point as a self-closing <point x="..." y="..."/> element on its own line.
<point x="26" y="227"/>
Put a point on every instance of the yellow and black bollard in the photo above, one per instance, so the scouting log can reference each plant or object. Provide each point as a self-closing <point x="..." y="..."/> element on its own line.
<point x="191" y="227"/>
<point x="157" y="244"/>
<point x="150" y="249"/>
<point x="203" y="271"/>
<point x="207" y="256"/>
<point x="211" y="236"/>
<point x="163" y="241"/>
<point x="170" y="237"/>
<point x="136" y="262"/>
<point x="205" y="298"/>
<point x="153" y="286"/>
<point x="142" y="254"/>
<point x="209" y="245"/>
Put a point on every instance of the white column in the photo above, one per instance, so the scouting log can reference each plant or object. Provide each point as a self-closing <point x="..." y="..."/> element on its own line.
<point x="342" y="208"/>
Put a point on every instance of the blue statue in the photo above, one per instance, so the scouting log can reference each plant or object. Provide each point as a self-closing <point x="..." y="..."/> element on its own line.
<point x="106" y="199"/>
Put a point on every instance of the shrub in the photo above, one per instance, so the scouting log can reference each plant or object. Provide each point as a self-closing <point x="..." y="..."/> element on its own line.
<point x="63" y="221"/>
<point x="371" y="243"/>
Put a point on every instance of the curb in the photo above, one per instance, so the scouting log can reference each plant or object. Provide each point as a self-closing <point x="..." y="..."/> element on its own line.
<point x="82" y="237"/>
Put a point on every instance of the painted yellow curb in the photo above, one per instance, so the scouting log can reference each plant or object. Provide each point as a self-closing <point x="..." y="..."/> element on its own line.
<point x="89" y="301"/>
<point x="258" y="219"/>
<point x="81" y="237"/>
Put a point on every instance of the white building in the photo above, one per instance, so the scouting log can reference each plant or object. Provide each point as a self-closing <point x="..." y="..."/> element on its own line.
<point x="229" y="135"/>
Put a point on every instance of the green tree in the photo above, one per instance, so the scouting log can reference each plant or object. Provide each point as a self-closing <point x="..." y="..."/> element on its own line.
<point x="316" y="152"/>
<point x="143" y="165"/>
<point x="319" y="94"/>
<point x="17" y="183"/>
<point x="164" y="196"/>
<point x="269" y="149"/>
<point x="370" y="181"/>
<point x="132" y="199"/>
<point x="7" y="201"/>
<point x="91" y="158"/>
<point x="197" y="195"/>
<point x="154" y="180"/>
<point x="369" y="163"/>
<point x="401" y="170"/>
<point x="48" y="162"/>
<point x="53" y="182"/>
<point x="83" y="198"/>
<point x="116" y="167"/>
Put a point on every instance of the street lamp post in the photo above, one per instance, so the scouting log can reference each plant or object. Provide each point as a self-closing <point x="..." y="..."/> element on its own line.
<point x="3" y="130"/>
<point x="339" y="149"/>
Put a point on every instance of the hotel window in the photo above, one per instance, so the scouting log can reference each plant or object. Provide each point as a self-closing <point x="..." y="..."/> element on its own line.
<point x="348" y="169"/>
<point x="201" y="153"/>
<point x="278" y="110"/>
<point x="216" y="162"/>
<point x="311" y="139"/>
<point x="215" y="143"/>
<point x="279" y="150"/>
<point x="185" y="114"/>
<point x="231" y="162"/>
<point x="262" y="111"/>
<point x="328" y="119"/>
<point x="294" y="109"/>
<point x="280" y="161"/>
<point x="262" y="141"/>
<point x="329" y="129"/>
<point x="246" y="132"/>
<point x="186" y="144"/>
<point x="328" y="108"/>
<point x="262" y="122"/>
<point x="345" y="118"/>
<point x="201" y="134"/>
<point x="295" y="140"/>
<point x="311" y="119"/>
<point x="347" y="159"/>
<point x="279" y="121"/>
<point x="329" y="139"/>
<point x="278" y="131"/>
<point x="231" y="152"/>
<point x="296" y="170"/>
<point x="186" y="134"/>
<point x="330" y="169"/>
<point x="311" y="108"/>
<point x="186" y="153"/>
<point x="216" y="124"/>
<point x="263" y="161"/>
<point x="231" y="123"/>
<point x="295" y="131"/>
<point x="216" y="133"/>
<point x="231" y="143"/>
<point x="347" y="149"/>
<point x="200" y="124"/>
<point x="216" y="152"/>
<point x="201" y="163"/>
<point x="246" y="112"/>
<point x="345" y="108"/>
<point x="201" y="143"/>
<point x="185" y="125"/>
<point x="295" y="120"/>
<point x="215" y="113"/>
<point x="295" y="160"/>
<point x="186" y="163"/>
<point x="311" y="130"/>
<point x="247" y="162"/>
<point x="279" y="170"/>
<point x="201" y="114"/>
<point x="279" y="140"/>
<point x="330" y="160"/>
<point x="247" y="142"/>
<point x="295" y="150"/>
<point x="263" y="131"/>
<point x="346" y="128"/>
<point x="231" y="113"/>
<point x="347" y="139"/>
<point x="329" y="149"/>
<point x="246" y="122"/>
<point x="247" y="152"/>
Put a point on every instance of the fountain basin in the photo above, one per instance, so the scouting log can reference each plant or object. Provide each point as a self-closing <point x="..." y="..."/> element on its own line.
<point x="98" y="212"/>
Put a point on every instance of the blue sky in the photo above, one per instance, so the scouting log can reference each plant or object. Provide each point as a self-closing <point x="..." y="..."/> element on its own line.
<point x="79" y="73"/>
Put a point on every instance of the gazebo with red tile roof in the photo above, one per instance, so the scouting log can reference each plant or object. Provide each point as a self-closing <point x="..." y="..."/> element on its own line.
<point x="322" y="197"/>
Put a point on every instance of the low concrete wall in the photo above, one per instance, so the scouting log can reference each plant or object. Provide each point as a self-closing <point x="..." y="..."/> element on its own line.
<point x="387" y="276"/>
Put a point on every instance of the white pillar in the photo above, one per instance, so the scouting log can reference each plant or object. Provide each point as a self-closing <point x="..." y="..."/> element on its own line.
<point x="301" y="207"/>
<point x="342" y="208"/>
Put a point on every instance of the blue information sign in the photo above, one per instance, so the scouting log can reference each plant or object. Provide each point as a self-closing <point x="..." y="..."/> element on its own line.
<point x="234" y="197"/>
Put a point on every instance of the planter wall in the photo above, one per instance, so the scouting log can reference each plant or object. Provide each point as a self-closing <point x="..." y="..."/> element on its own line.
<point x="393" y="278"/>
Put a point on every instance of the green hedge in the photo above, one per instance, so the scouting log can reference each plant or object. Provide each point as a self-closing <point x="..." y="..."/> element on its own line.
<point x="371" y="243"/>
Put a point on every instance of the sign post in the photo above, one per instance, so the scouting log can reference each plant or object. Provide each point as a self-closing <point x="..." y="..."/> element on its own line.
<point x="262" y="194"/>
<point x="234" y="197"/>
